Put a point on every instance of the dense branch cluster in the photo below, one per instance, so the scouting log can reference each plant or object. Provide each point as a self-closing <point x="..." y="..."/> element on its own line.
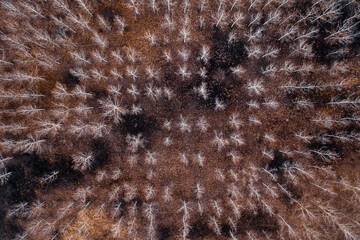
<point x="169" y="119"/>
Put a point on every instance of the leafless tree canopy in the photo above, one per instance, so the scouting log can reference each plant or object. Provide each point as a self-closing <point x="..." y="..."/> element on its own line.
<point x="179" y="119"/>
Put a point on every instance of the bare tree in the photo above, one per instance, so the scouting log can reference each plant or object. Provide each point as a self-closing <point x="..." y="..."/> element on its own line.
<point x="83" y="161"/>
